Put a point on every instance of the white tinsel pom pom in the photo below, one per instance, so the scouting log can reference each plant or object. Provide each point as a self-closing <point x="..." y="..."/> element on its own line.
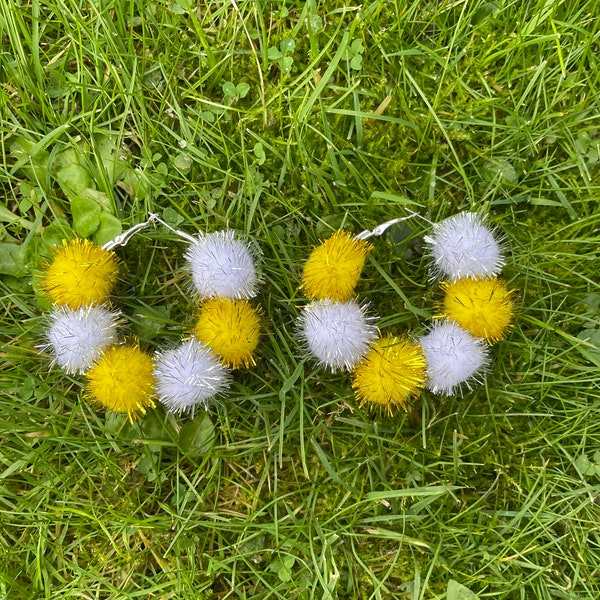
<point x="453" y="357"/>
<point x="188" y="376"/>
<point x="77" y="337"/>
<point x="462" y="246"/>
<point x="222" y="265"/>
<point x="338" y="334"/>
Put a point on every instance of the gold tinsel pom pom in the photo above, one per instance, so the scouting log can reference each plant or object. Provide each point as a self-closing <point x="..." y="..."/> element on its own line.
<point x="122" y="380"/>
<point x="483" y="307"/>
<point x="333" y="268"/>
<point x="230" y="328"/>
<point x="392" y="372"/>
<point x="80" y="274"/>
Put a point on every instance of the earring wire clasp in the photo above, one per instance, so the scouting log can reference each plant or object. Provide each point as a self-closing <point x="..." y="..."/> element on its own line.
<point x="383" y="227"/>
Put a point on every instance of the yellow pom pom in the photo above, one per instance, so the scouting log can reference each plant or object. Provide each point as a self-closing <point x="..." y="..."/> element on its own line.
<point x="122" y="380"/>
<point x="81" y="274"/>
<point x="392" y="372"/>
<point x="333" y="268"/>
<point x="483" y="307"/>
<point x="230" y="328"/>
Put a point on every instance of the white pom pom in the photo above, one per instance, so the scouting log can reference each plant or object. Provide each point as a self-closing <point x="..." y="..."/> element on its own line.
<point x="338" y="334"/>
<point x="77" y="337"/>
<point x="453" y="357"/>
<point x="222" y="265"/>
<point x="462" y="246"/>
<point x="188" y="376"/>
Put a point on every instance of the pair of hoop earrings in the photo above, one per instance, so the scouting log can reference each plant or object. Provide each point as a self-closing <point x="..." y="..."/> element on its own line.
<point x="83" y="327"/>
<point x="387" y="371"/>
<point x="336" y="329"/>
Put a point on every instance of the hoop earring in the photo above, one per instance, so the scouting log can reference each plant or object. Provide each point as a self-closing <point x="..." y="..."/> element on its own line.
<point x="83" y="328"/>
<point x="387" y="371"/>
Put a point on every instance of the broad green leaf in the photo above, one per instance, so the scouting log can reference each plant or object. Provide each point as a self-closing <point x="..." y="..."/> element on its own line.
<point x="12" y="260"/>
<point x="24" y="150"/>
<point x="328" y="224"/>
<point x="315" y="22"/>
<point x="288" y="45"/>
<point x="155" y="427"/>
<point x="242" y="89"/>
<point x="110" y="228"/>
<point x="100" y="197"/>
<point x="283" y="567"/>
<point x="591" y="352"/>
<point x="112" y="157"/>
<point x="287" y="63"/>
<point x="198" y="435"/>
<point x="115" y="422"/>
<point x="73" y="179"/>
<point x="273" y="53"/>
<point x="259" y="153"/>
<point x="172" y="217"/>
<point x="356" y="47"/>
<point x="356" y="62"/>
<point x="59" y="86"/>
<point x="8" y="216"/>
<point x="457" y="591"/>
<point x="34" y="164"/>
<point x="500" y="170"/>
<point x="592" y="302"/>
<point x="484" y="11"/>
<point x="183" y="162"/>
<point x="584" y="466"/>
<point x="136" y="184"/>
<point x="58" y="231"/>
<point x="229" y="89"/>
<point x="180" y="7"/>
<point x="66" y="158"/>
<point x="86" y="215"/>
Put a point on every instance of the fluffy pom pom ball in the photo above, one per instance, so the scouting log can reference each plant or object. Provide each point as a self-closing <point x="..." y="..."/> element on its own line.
<point x="77" y="337"/>
<point x="231" y="328"/>
<point x="392" y="372"/>
<point x="122" y="380"/>
<point x="81" y="273"/>
<point x="337" y="334"/>
<point x="462" y="246"/>
<point x="222" y="266"/>
<point x="333" y="268"/>
<point x="481" y="306"/>
<point x="189" y="376"/>
<point x="453" y="357"/>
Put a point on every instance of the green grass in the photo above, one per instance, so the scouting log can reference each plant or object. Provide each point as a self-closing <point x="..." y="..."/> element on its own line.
<point x="113" y="108"/>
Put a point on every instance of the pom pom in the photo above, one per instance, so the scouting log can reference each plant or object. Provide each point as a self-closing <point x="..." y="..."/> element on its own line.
<point x="222" y="265"/>
<point x="230" y="328"/>
<point x="481" y="306"/>
<point x="333" y="268"/>
<point x="189" y="376"/>
<point x="392" y="372"/>
<point x="77" y="337"/>
<point x="462" y="246"/>
<point x="453" y="357"/>
<point x="337" y="334"/>
<point x="81" y="273"/>
<point x="122" y="380"/>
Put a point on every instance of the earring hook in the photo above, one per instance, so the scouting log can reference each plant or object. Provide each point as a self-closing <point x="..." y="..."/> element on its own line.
<point x="383" y="227"/>
<point x="182" y="234"/>
<point x="124" y="238"/>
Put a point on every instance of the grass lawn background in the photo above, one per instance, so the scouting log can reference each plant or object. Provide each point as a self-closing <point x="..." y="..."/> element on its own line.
<point x="286" y="120"/>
